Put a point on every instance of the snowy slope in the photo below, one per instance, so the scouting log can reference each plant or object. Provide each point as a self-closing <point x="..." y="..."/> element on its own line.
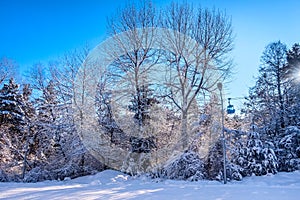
<point x="115" y="185"/>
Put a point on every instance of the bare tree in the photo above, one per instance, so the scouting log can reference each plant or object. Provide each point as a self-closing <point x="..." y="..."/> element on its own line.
<point x="64" y="71"/>
<point x="63" y="74"/>
<point x="197" y="54"/>
<point x="131" y="69"/>
<point x="39" y="77"/>
<point x="130" y="61"/>
<point x="7" y="69"/>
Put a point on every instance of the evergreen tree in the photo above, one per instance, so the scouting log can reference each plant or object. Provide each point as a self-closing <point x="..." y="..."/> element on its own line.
<point x="140" y="105"/>
<point x="187" y="166"/>
<point x="293" y="62"/>
<point x="257" y="157"/>
<point x="49" y="127"/>
<point x="11" y="111"/>
<point x="17" y="117"/>
<point x="289" y="150"/>
<point x="266" y="102"/>
<point x="214" y="164"/>
<point x="12" y="120"/>
<point x="274" y="102"/>
<point x="29" y="129"/>
<point x="236" y="142"/>
<point x="292" y="77"/>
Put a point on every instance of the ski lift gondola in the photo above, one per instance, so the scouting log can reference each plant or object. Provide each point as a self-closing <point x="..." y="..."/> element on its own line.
<point x="230" y="108"/>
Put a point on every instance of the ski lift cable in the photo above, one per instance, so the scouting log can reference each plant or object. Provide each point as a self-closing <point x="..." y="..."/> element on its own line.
<point x="236" y="98"/>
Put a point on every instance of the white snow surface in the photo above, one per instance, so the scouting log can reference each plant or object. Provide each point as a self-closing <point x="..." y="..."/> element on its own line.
<point x="111" y="184"/>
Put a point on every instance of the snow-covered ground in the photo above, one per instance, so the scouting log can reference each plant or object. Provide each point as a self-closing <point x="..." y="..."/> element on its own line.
<point x="111" y="184"/>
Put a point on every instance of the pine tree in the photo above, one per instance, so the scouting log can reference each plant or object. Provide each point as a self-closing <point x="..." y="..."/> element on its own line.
<point x="49" y="127"/>
<point x="257" y="157"/>
<point x="140" y="105"/>
<point x="187" y="166"/>
<point x="236" y="143"/>
<point x="292" y="77"/>
<point x="289" y="150"/>
<point x="11" y="111"/>
<point x="214" y="164"/>
<point x="12" y="119"/>
<point x="293" y="59"/>
<point x="17" y="120"/>
<point x="266" y="102"/>
<point x="274" y="102"/>
<point x="29" y="129"/>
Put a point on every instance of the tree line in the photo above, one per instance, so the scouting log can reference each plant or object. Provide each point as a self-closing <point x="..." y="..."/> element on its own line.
<point x="148" y="117"/>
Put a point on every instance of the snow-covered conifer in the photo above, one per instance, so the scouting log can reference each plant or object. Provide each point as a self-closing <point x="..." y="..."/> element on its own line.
<point x="289" y="150"/>
<point x="256" y="157"/>
<point x="187" y="166"/>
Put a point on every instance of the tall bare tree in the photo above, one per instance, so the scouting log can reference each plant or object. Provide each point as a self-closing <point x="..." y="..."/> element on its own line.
<point x="197" y="55"/>
<point x="131" y="60"/>
<point x="131" y="69"/>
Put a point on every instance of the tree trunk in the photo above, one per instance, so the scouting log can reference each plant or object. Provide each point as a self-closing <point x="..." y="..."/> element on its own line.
<point x="184" y="127"/>
<point x="280" y="98"/>
<point x="25" y="157"/>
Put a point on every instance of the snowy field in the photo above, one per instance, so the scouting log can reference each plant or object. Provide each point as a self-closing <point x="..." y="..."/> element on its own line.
<point x="115" y="185"/>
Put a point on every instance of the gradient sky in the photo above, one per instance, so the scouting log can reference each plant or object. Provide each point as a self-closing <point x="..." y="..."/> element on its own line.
<point x="40" y="30"/>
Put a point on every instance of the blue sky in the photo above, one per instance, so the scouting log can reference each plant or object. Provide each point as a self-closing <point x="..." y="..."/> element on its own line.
<point x="39" y="30"/>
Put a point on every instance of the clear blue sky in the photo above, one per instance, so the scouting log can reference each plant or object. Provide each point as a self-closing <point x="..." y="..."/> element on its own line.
<point x="39" y="30"/>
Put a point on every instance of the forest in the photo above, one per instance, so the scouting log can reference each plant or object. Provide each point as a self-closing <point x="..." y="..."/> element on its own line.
<point x="151" y="100"/>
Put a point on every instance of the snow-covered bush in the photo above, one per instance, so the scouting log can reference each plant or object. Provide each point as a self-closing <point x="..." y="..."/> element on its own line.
<point x="37" y="174"/>
<point x="70" y="170"/>
<point x="234" y="172"/>
<point x="3" y="176"/>
<point x="187" y="166"/>
<point x="289" y="150"/>
<point x="256" y="158"/>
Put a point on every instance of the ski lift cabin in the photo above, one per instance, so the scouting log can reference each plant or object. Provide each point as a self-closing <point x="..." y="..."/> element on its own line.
<point x="230" y="108"/>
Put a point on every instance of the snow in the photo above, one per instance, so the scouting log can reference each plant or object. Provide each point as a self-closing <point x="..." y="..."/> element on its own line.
<point x="111" y="184"/>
